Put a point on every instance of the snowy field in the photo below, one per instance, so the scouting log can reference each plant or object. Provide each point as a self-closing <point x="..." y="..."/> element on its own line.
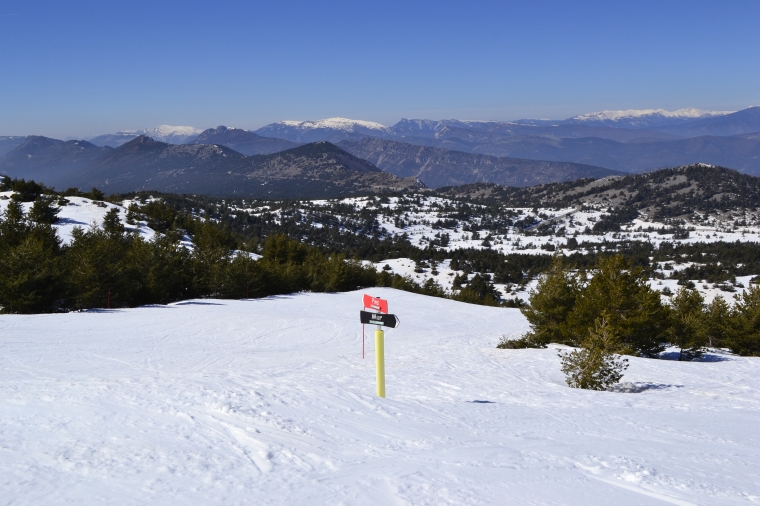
<point x="420" y="218"/>
<point x="426" y="219"/>
<point x="83" y="213"/>
<point x="269" y="402"/>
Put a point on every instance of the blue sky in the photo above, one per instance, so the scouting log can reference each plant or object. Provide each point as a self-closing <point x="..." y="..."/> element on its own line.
<point x="80" y="68"/>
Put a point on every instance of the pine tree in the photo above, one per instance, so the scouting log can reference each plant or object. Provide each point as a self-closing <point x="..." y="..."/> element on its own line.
<point x="688" y="328"/>
<point x="744" y="335"/>
<point x="169" y="268"/>
<point x="43" y="211"/>
<point x="595" y="366"/>
<point x="633" y="309"/>
<point x="244" y="277"/>
<point x="13" y="225"/>
<point x="106" y="267"/>
<point x="479" y="290"/>
<point x="717" y="322"/>
<point x="31" y="272"/>
<point x="213" y="248"/>
<point x="550" y="306"/>
<point x="112" y="224"/>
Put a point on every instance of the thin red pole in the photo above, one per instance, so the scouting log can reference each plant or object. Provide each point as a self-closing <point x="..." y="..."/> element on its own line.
<point x="362" y="341"/>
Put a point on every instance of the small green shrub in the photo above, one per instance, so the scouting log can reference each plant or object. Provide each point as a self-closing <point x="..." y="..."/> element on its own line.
<point x="595" y="366"/>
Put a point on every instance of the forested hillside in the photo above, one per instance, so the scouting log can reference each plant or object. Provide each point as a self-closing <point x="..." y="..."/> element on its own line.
<point x="694" y="228"/>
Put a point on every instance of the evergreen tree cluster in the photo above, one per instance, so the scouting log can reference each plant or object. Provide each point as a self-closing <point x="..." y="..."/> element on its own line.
<point x="352" y="229"/>
<point x="568" y="306"/>
<point x="109" y="266"/>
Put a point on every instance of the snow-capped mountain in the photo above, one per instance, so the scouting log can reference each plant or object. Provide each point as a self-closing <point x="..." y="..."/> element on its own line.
<point x="164" y="133"/>
<point x="330" y="129"/>
<point x="644" y="118"/>
<point x="169" y="133"/>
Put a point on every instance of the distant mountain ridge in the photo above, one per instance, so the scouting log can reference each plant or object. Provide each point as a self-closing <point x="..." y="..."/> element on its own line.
<point x="621" y="126"/>
<point x="667" y="193"/>
<point x="330" y="129"/>
<point x="310" y="171"/>
<point x="417" y="130"/>
<point x="8" y="142"/>
<point x="437" y="167"/>
<point x="644" y="118"/>
<point x="438" y="152"/>
<point x="164" y="133"/>
<point x="682" y="137"/>
<point x="244" y="141"/>
<point x="652" y="123"/>
<point x="49" y="159"/>
<point x="736" y="152"/>
<point x="740" y="122"/>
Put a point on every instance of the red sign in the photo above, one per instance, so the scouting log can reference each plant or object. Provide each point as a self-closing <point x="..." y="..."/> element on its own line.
<point x="380" y="305"/>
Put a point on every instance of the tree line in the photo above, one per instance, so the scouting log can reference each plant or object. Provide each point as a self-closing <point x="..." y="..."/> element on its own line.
<point x="610" y="310"/>
<point x="109" y="266"/>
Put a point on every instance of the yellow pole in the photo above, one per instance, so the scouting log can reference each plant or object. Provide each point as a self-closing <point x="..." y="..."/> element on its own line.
<point x="380" y="361"/>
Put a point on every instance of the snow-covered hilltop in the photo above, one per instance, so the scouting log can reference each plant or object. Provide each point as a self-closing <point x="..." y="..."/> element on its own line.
<point x="164" y="133"/>
<point x="332" y="129"/>
<point x="639" y="113"/>
<point x="345" y="124"/>
<point x="84" y="213"/>
<point x="168" y="133"/>
<point x="644" y="118"/>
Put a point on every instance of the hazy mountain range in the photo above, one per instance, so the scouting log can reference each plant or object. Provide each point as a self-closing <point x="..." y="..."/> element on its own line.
<point x="437" y="167"/>
<point x="331" y="129"/>
<point x="607" y="139"/>
<point x="621" y="126"/>
<point x="313" y="170"/>
<point x="646" y="118"/>
<point x="244" y="141"/>
<point x="436" y="152"/>
<point x="163" y="133"/>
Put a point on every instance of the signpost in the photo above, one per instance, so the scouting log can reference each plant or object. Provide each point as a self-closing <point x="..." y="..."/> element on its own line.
<point x="384" y="320"/>
<point x="375" y="303"/>
<point x="380" y="318"/>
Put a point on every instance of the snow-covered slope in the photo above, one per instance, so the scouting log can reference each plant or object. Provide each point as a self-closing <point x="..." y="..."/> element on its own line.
<point x="331" y="129"/>
<point x="269" y="402"/>
<point x="84" y="213"/>
<point x="163" y="133"/>
<point x="644" y="118"/>
<point x="168" y="133"/>
<point x="347" y="125"/>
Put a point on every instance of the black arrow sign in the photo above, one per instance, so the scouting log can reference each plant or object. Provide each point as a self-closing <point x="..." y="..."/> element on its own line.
<point x="385" y="320"/>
